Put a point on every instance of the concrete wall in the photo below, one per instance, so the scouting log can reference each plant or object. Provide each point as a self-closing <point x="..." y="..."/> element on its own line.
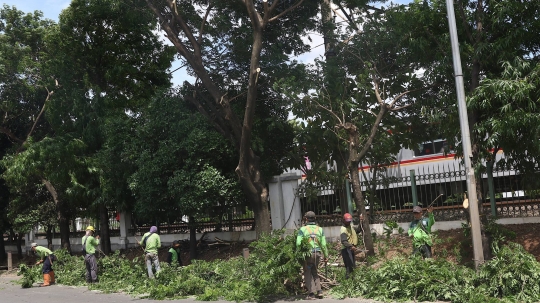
<point x="130" y="241"/>
<point x="331" y="233"/>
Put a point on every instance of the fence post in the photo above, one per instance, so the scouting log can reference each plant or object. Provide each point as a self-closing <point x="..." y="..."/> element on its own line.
<point x="9" y="260"/>
<point x="413" y="188"/>
<point x="125" y="224"/>
<point x="245" y="253"/>
<point x="491" y="188"/>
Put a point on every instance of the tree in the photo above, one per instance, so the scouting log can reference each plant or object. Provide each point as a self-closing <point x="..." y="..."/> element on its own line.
<point x="109" y="61"/>
<point x="180" y="166"/>
<point x="26" y="92"/>
<point x="368" y="98"/>
<point x="509" y="116"/>
<point x="489" y="33"/>
<point x="212" y="38"/>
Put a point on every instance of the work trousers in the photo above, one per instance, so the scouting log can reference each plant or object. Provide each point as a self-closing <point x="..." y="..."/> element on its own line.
<point x="349" y="260"/>
<point x="311" y="275"/>
<point x="152" y="258"/>
<point x="425" y="250"/>
<point x="47" y="264"/>
<point x="91" y="268"/>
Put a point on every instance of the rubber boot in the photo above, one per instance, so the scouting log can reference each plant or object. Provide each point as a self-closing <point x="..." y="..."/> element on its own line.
<point x="46" y="280"/>
<point x="51" y="273"/>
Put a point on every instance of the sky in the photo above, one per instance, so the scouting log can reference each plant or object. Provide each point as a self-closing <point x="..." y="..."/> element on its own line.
<point x="51" y="9"/>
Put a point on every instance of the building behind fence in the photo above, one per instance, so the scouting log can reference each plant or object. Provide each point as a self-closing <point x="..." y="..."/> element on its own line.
<point x="389" y="197"/>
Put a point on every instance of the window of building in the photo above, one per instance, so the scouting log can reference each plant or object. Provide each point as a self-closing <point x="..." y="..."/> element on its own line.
<point x="438" y="146"/>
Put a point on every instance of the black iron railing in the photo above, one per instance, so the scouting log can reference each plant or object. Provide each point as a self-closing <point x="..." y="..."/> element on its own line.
<point x="390" y="198"/>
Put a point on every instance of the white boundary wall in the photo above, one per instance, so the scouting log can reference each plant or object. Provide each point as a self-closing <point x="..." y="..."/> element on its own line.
<point x="331" y="233"/>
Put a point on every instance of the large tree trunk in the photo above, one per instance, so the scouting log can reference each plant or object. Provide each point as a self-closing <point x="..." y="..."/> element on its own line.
<point x="105" y="236"/>
<point x="20" y="237"/>
<point x="12" y="235"/>
<point x="2" y="248"/>
<point x="258" y="195"/>
<point x="63" y="222"/>
<point x="49" y="236"/>
<point x="192" y="239"/>
<point x="63" y="218"/>
<point x="361" y="207"/>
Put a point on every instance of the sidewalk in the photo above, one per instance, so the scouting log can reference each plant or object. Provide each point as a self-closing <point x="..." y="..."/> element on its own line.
<point x="14" y="293"/>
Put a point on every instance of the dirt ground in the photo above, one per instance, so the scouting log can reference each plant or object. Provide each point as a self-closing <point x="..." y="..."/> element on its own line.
<point x="451" y="244"/>
<point x="454" y="246"/>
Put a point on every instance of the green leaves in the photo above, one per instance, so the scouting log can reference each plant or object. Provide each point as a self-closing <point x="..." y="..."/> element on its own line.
<point x="274" y="266"/>
<point x="509" y="111"/>
<point x="273" y="261"/>
<point x="29" y="275"/>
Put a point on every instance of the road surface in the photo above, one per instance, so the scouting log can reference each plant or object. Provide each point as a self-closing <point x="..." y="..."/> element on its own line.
<point x="11" y="292"/>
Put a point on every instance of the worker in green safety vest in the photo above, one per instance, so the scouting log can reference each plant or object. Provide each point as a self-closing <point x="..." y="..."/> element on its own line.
<point x="317" y="240"/>
<point x="46" y="257"/>
<point x="420" y="230"/>
<point x="174" y="254"/>
<point x="151" y="243"/>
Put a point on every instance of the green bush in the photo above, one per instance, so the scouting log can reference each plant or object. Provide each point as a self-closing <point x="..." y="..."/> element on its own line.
<point x="273" y="268"/>
<point x="29" y="275"/>
<point x="403" y="279"/>
<point x="513" y="274"/>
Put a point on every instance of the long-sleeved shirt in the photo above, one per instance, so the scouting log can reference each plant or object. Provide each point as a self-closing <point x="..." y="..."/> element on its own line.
<point x="349" y="235"/>
<point x="153" y="242"/>
<point x="316" y="235"/>
<point x="421" y="231"/>
<point x="174" y="257"/>
<point x="91" y="244"/>
<point x="43" y="252"/>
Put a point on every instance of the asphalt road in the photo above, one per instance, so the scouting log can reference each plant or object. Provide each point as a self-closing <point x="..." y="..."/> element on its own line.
<point x="11" y="292"/>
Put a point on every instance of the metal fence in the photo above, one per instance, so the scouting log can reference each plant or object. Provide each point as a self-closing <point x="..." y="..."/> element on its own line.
<point x="390" y="198"/>
<point x="233" y="219"/>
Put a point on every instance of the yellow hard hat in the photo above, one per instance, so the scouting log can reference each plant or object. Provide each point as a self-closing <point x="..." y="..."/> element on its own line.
<point x="90" y="228"/>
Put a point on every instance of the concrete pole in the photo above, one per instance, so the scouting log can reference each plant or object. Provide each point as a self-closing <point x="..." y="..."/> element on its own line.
<point x="465" y="138"/>
<point x="9" y="260"/>
<point x="413" y="188"/>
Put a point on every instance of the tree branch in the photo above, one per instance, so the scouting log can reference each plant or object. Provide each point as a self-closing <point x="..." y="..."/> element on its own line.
<point x="210" y="6"/>
<point x="397" y="98"/>
<point x="285" y="11"/>
<point x="395" y="109"/>
<point x="254" y="16"/>
<point x="331" y="112"/>
<point x="11" y="135"/>
<point x="185" y="28"/>
<point x="382" y="111"/>
<point x="49" y="94"/>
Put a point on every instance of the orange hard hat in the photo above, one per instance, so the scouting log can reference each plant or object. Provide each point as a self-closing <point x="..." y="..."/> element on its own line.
<point x="347" y="217"/>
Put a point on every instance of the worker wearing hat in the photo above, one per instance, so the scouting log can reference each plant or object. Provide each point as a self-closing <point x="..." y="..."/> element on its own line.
<point x="151" y="243"/>
<point x="46" y="257"/>
<point x="317" y="242"/>
<point x="349" y="242"/>
<point x="420" y="230"/>
<point x="89" y="243"/>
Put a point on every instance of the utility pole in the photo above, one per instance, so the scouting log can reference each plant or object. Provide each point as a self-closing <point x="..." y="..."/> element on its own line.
<point x="465" y="138"/>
